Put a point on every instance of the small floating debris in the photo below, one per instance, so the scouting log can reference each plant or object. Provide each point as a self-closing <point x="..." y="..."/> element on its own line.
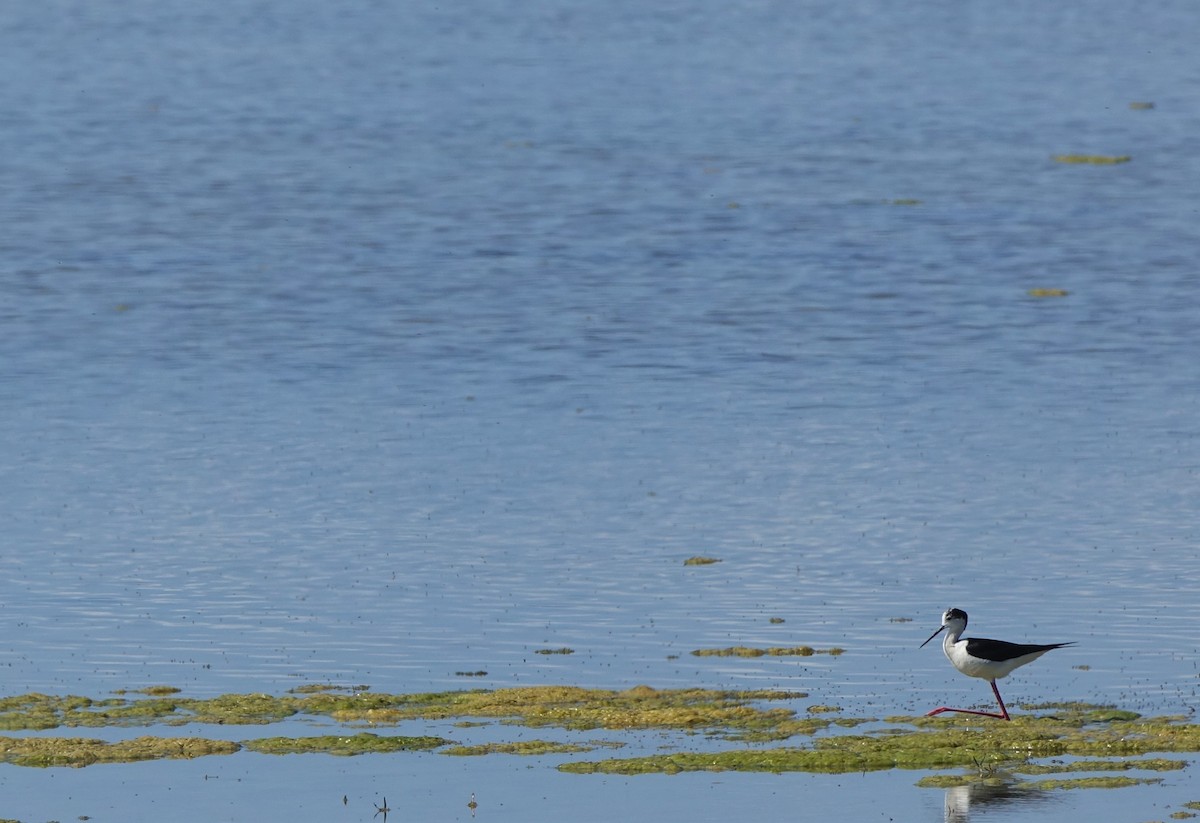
<point x="701" y="561"/>
<point x="1141" y="105"/>
<point x="903" y="201"/>
<point x="479" y="673"/>
<point x="1093" y="159"/>
<point x="1047" y="292"/>
<point x="563" y="650"/>
<point x="773" y="651"/>
<point x="776" y="620"/>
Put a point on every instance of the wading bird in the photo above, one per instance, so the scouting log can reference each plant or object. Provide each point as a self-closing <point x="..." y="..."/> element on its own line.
<point x="979" y="657"/>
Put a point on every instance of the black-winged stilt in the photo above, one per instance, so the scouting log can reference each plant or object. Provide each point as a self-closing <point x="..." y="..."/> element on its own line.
<point x="979" y="657"/>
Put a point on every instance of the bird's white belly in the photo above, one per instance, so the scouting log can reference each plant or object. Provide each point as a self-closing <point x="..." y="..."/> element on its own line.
<point x="976" y="667"/>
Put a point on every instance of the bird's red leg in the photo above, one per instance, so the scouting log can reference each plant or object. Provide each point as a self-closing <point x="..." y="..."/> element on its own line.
<point x="1000" y="700"/>
<point x="941" y="709"/>
<point x="1003" y="711"/>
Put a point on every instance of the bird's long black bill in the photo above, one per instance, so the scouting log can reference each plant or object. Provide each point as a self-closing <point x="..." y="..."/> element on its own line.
<point x="935" y="634"/>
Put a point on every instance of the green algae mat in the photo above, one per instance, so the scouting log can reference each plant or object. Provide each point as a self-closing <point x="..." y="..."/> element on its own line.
<point x="1049" y="746"/>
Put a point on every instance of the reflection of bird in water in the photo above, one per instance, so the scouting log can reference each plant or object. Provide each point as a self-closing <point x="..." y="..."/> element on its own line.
<point x="988" y="659"/>
<point x="960" y="799"/>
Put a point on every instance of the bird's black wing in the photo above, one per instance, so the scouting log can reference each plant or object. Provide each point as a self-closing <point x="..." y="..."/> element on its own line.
<point x="999" y="650"/>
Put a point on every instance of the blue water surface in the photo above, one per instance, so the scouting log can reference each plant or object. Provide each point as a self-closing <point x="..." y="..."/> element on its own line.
<point x="373" y="343"/>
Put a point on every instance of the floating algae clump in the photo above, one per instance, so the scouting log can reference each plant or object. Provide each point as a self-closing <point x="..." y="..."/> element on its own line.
<point x="1092" y="746"/>
<point x="1091" y="782"/>
<point x="638" y="708"/>
<point x="572" y="707"/>
<point x="1152" y="764"/>
<point x="526" y="747"/>
<point x="773" y="651"/>
<point x="244" y="709"/>
<point x="949" y="743"/>
<point x="748" y="760"/>
<point x="43" y="711"/>
<point x="80" y="751"/>
<point x="344" y="745"/>
<point x="40" y="711"/>
<point x="1112" y="782"/>
<point x="1093" y="159"/>
<point x="154" y="691"/>
<point x="316" y="688"/>
<point x="701" y="561"/>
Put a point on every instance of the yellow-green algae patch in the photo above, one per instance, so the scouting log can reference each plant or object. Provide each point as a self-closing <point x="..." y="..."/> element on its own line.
<point x="927" y="743"/>
<point x="1090" y="783"/>
<point x="946" y="781"/>
<point x="1093" y="159"/>
<point x="641" y="707"/>
<point x="1006" y="774"/>
<point x="317" y="688"/>
<point x="40" y="711"/>
<point x="527" y="747"/>
<point x="43" y="711"/>
<point x="581" y="709"/>
<point x="1107" y="739"/>
<point x="343" y="745"/>
<point x="701" y="561"/>
<point x="81" y="751"/>
<point x="155" y="691"/>
<point x="1150" y="764"/>
<point x="772" y="651"/>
